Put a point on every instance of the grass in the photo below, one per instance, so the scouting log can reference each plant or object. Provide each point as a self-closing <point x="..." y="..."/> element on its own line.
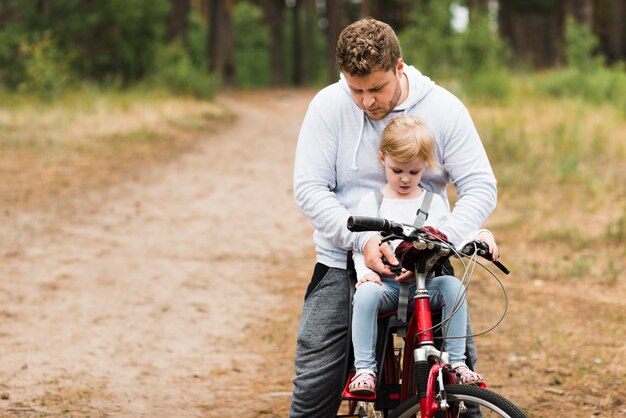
<point x="561" y="225"/>
<point x="561" y="169"/>
<point x="90" y="138"/>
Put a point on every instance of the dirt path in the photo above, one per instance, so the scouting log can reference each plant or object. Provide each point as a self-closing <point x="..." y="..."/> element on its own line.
<point x="137" y="300"/>
<point x="177" y="293"/>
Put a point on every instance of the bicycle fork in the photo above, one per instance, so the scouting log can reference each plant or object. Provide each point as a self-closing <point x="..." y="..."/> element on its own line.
<point x="427" y="376"/>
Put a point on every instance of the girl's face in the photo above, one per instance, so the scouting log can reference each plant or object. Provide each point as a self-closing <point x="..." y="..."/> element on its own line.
<point x="402" y="178"/>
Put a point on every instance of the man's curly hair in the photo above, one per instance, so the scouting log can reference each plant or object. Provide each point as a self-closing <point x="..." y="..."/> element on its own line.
<point x="365" y="46"/>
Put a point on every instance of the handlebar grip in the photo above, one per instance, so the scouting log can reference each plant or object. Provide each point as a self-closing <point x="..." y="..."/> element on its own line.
<point x="366" y="223"/>
<point x="483" y="250"/>
<point x="502" y="267"/>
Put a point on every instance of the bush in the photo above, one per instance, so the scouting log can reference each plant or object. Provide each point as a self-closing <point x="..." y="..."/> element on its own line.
<point x="580" y="45"/>
<point x="603" y="85"/>
<point x="480" y="57"/>
<point x="46" y="72"/>
<point x="175" y="71"/>
<point x="488" y="84"/>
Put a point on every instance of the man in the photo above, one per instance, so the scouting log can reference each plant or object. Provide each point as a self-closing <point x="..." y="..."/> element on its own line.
<point x="336" y="164"/>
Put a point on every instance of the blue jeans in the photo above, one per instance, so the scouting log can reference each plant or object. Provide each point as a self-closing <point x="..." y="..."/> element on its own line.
<point x="371" y="299"/>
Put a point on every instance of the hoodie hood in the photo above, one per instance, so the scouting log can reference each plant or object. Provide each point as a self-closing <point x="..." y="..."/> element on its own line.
<point x="419" y="86"/>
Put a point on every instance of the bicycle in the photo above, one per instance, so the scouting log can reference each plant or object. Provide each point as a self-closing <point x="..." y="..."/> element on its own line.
<point x="416" y="380"/>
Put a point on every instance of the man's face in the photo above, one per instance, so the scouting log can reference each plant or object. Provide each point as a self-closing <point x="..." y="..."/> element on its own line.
<point x="377" y="93"/>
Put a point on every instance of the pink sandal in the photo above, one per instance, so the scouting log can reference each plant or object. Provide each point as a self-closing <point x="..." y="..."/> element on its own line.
<point x="363" y="383"/>
<point x="465" y="376"/>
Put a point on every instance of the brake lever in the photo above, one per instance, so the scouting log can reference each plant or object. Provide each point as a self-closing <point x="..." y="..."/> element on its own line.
<point x="397" y="270"/>
<point x="482" y="249"/>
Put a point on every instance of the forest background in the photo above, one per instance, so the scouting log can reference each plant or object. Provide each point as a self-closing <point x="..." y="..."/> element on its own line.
<point x="199" y="46"/>
<point x="97" y="93"/>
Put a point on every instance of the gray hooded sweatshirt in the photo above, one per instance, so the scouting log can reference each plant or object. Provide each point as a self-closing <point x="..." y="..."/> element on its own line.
<point x="337" y="163"/>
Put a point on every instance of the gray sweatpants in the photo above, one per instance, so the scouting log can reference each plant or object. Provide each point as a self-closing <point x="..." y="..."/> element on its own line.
<point x="322" y="345"/>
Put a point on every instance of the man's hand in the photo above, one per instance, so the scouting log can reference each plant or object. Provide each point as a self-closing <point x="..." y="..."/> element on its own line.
<point x="374" y="253"/>
<point x="369" y="277"/>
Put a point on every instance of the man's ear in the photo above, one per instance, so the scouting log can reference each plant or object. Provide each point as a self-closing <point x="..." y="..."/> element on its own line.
<point x="400" y="66"/>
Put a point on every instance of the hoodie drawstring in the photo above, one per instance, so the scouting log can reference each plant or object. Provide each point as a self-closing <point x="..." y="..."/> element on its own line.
<point x="358" y="143"/>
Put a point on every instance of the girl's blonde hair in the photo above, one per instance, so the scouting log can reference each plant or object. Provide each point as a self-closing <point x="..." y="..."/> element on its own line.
<point x="406" y="138"/>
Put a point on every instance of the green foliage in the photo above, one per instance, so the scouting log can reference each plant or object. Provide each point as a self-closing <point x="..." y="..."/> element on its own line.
<point x="251" y="45"/>
<point x="175" y="70"/>
<point x="428" y="42"/>
<point x="197" y="40"/>
<point x="488" y="84"/>
<point x="603" y="85"/>
<point x="475" y="57"/>
<point x="479" y="47"/>
<point x="586" y="76"/>
<point x="580" y="45"/>
<point x="108" y="39"/>
<point x="46" y="71"/>
<point x="11" y="70"/>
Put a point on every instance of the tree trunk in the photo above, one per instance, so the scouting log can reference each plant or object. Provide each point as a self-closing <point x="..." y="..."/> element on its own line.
<point x="533" y="33"/>
<point x="505" y="22"/>
<point x="177" y="20"/>
<point x="202" y="7"/>
<point x="477" y="8"/>
<point x="617" y="33"/>
<point x="274" y="16"/>
<point x="333" y="14"/>
<point x="582" y="11"/>
<point x="7" y="14"/>
<point x="310" y="23"/>
<point x="221" y="42"/>
<point x="365" y="8"/>
<point x="213" y="43"/>
<point x="230" y="67"/>
<point x="297" y="43"/>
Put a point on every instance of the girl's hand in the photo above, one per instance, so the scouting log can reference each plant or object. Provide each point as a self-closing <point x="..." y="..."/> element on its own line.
<point x="487" y="237"/>
<point x="369" y="277"/>
<point x="406" y="275"/>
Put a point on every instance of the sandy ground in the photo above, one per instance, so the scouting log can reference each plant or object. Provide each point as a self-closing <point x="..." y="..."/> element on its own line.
<point x="149" y="298"/>
<point x="177" y="293"/>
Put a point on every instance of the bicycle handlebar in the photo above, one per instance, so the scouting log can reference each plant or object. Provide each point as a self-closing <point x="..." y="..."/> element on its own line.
<point x="482" y="249"/>
<point x="411" y="233"/>
<point x="365" y="223"/>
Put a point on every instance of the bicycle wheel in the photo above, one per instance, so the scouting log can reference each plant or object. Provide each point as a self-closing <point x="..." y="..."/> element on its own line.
<point x="490" y="403"/>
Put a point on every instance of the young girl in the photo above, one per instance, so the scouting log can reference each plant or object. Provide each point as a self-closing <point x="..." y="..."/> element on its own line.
<point x="406" y="150"/>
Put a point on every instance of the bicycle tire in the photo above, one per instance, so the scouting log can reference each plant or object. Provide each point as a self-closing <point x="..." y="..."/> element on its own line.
<point x="489" y="402"/>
